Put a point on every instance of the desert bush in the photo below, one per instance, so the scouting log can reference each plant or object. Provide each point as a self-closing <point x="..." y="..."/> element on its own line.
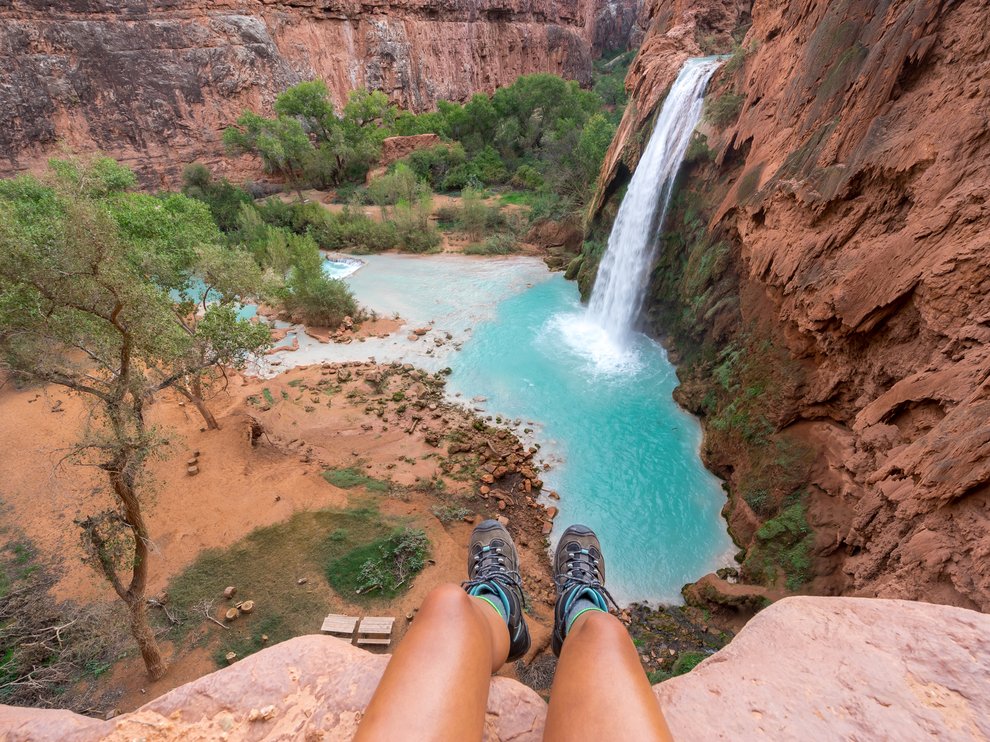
<point x="312" y="297"/>
<point x="222" y="197"/>
<point x="383" y="567"/>
<point x="496" y="244"/>
<point x="724" y="109"/>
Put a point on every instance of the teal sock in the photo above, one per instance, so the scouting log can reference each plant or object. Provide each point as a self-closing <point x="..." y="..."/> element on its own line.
<point x="494" y="598"/>
<point x="582" y="602"/>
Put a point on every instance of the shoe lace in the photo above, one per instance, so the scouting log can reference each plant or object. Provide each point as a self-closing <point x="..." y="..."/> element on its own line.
<point x="582" y="571"/>
<point x="490" y="567"/>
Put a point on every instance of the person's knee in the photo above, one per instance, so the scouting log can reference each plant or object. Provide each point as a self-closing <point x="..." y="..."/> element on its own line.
<point x="447" y="601"/>
<point x="600" y="628"/>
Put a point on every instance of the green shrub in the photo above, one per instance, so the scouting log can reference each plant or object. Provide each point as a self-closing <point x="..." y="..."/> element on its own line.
<point x="383" y="567"/>
<point x="434" y="164"/>
<point x="723" y="109"/>
<point x="461" y="177"/>
<point x="447" y="216"/>
<point x="686" y="662"/>
<point x="527" y="177"/>
<point x="402" y="184"/>
<point x="313" y="298"/>
<point x="489" y="167"/>
<point x="223" y="198"/>
<point x="496" y="244"/>
<point x="783" y="547"/>
<point x="413" y="230"/>
<point x="353" y="231"/>
<point x="698" y="150"/>
<point x="449" y="513"/>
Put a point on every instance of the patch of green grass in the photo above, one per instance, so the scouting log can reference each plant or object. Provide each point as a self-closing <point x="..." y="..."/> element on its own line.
<point x="516" y="198"/>
<point x="350" y="477"/>
<point x="381" y="569"/>
<point x="258" y="636"/>
<point x="265" y="566"/>
<point x="295" y="382"/>
<point x="267" y="394"/>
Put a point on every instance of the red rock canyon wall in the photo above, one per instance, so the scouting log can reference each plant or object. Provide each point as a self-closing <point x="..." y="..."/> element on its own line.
<point x="154" y="82"/>
<point x="854" y="189"/>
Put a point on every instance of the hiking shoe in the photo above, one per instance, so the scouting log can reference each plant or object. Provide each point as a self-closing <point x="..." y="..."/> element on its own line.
<point x="493" y="575"/>
<point x="579" y="573"/>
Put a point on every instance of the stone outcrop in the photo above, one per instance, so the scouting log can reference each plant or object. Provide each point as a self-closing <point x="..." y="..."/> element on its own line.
<point x="852" y="191"/>
<point x="840" y="669"/>
<point x="154" y="83"/>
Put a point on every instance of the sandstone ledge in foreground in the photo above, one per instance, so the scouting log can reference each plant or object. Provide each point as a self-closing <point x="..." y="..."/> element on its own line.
<point x="804" y="668"/>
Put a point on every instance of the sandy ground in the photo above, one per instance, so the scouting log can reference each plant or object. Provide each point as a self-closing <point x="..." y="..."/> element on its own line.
<point x="241" y="487"/>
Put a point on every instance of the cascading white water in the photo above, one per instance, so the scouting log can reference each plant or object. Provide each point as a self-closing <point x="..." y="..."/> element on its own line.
<point x="624" y="270"/>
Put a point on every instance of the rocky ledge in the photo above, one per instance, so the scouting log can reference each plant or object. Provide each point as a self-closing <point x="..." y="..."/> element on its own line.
<point x="840" y="668"/>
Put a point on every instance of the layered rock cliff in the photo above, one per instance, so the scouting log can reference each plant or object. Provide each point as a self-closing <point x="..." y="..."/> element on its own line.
<point x="154" y="82"/>
<point x="840" y="669"/>
<point x="828" y="265"/>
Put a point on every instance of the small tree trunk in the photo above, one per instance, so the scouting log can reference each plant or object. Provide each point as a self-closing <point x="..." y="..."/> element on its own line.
<point x="195" y="395"/>
<point x="211" y="422"/>
<point x="122" y="479"/>
<point x="145" y="638"/>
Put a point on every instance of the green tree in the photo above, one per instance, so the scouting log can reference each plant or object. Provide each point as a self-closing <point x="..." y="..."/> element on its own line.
<point x="312" y="296"/>
<point x="85" y="303"/>
<point x="401" y="185"/>
<point x="309" y="102"/>
<point x="223" y="198"/>
<point x="281" y="143"/>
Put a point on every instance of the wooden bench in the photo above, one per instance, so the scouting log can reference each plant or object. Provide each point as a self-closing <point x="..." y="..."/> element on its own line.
<point x="337" y="624"/>
<point x="375" y="630"/>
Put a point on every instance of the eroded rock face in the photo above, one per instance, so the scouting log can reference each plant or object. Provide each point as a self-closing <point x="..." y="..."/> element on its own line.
<point x="853" y="189"/>
<point x="154" y="83"/>
<point x="840" y="668"/>
<point x="318" y="685"/>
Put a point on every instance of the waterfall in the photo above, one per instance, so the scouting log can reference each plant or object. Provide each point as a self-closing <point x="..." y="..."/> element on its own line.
<point x="624" y="270"/>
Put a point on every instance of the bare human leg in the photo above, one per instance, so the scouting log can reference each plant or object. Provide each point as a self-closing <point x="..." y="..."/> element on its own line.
<point x="600" y="690"/>
<point x="436" y="685"/>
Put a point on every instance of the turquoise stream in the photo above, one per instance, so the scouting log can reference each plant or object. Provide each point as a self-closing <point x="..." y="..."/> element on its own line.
<point x="624" y="457"/>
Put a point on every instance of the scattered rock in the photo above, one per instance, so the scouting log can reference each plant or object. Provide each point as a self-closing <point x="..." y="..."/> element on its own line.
<point x="192" y="470"/>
